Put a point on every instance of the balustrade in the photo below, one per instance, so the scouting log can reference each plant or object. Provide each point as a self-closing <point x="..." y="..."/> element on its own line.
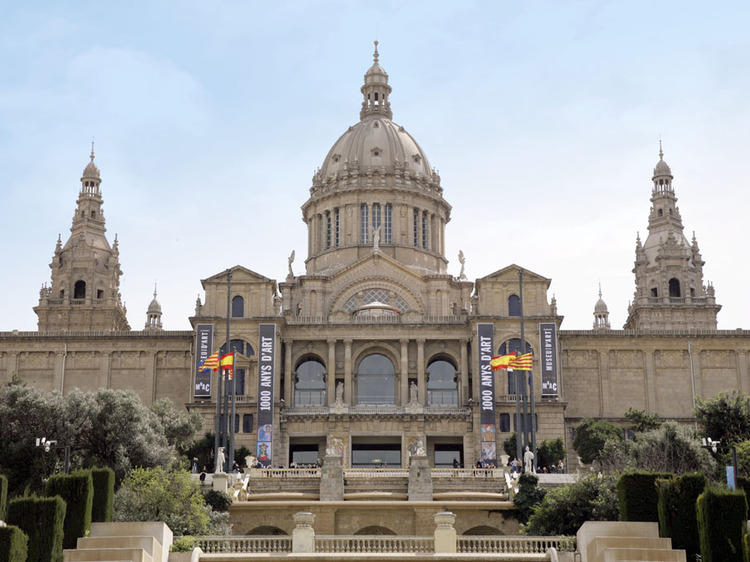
<point x="258" y="544"/>
<point x="513" y="544"/>
<point x="373" y="543"/>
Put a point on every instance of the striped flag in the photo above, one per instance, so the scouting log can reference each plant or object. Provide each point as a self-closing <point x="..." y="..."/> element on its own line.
<point x="210" y="362"/>
<point x="522" y="362"/>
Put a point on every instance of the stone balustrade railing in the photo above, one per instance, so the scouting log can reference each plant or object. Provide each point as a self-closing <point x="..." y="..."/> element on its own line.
<point x="373" y="544"/>
<point x="376" y="473"/>
<point x="467" y="473"/>
<point x="284" y="472"/>
<point x="513" y="544"/>
<point x="258" y="544"/>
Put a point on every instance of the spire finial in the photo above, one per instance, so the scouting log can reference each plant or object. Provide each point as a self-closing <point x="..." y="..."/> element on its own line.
<point x="661" y="152"/>
<point x="154" y="289"/>
<point x="92" y="150"/>
<point x="375" y="54"/>
<point x="600" y="289"/>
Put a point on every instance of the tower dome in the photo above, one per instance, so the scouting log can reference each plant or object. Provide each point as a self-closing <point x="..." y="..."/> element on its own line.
<point x="91" y="171"/>
<point x="662" y="172"/>
<point x="153" y="314"/>
<point x="601" y="313"/>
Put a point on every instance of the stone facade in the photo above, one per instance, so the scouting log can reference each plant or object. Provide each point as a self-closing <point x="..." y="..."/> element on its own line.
<point x="376" y="343"/>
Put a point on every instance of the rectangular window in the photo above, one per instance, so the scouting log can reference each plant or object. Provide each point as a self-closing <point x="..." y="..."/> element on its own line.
<point x="328" y="229"/>
<point x="375" y="217"/>
<point x="388" y="224"/>
<point x="247" y="423"/>
<point x="504" y="423"/>
<point x="336" y="227"/>
<point x="424" y="230"/>
<point x="416" y="227"/>
<point x="364" y="224"/>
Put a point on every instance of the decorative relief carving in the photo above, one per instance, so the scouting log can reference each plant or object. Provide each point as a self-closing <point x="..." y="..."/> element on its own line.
<point x="667" y="359"/>
<point x="625" y="359"/>
<point x="718" y="358"/>
<point x="581" y="358"/>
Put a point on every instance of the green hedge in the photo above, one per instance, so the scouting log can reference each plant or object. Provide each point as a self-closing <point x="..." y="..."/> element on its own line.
<point x="104" y="494"/>
<point x="14" y="544"/>
<point x="42" y="520"/>
<point x="3" y="496"/>
<point x="677" y="515"/>
<point x="722" y="519"/>
<point x="637" y="498"/>
<point x="77" y="489"/>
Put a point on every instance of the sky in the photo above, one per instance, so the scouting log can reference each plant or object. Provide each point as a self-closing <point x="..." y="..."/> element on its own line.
<point x="542" y="118"/>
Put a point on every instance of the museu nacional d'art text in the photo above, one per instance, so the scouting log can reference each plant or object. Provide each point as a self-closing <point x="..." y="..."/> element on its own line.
<point x="372" y="342"/>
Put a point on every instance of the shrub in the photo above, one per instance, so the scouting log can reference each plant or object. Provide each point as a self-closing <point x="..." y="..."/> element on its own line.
<point x="77" y="489"/>
<point x="14" y="544"/>
<point x="591" y="435"/>
<point x="219" y="501"/>
<point x="677" y="515"/>
<point x="637" y="498"/>
<point x="185" y="543"/>
<point x="550" y="452"/>
<point x="104" y="494"/>
<point x="509" y="446"/>
<point x="42" y="520"/>
<point x="3" y="496"/>
<point x="722" y="517"/>
<point x="528" y="495"/>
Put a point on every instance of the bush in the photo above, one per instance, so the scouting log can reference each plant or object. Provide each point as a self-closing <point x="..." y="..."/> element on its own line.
<point x="677" y="515"/>
<point x="185" y="543"/>
<point x="637" y="498"/>
<point x="3" y="496"/>
<point x="42" y="520"/>
<point x="77" y="489"/>
<point x="104" y="494"/>
<point x="528" y="495"/>
<point x="591" y="435"/>
<point x="219" y="501"/>
<point x="722" y="518"/>
<point x="509" y="446"/>
<point x="14" y="544"/>
<point x="550" y="452"/>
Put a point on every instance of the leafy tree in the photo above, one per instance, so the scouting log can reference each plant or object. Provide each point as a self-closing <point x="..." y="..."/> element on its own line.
<point x="563" y="510"/>
<point x="179" y="426"/>
<point x="509" y="446"/>
<point x="550" y="452"/>
<point x="172" y="496"/>
<point x="725" y="417"/>
<point x="591" y="435"/>
<point x="528" y="495"/>
<point x="641" y="421"/>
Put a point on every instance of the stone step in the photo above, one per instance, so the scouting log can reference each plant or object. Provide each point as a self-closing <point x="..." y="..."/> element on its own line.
<point x="149" y="544"/>
<point x="156" y="529"/>
<point x="106" y="555"/>
<point x="643" y="555"/>
<point x="600" y="544"/>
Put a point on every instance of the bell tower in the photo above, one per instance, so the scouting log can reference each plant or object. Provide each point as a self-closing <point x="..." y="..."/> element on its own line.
<point x="84" y="295"/>
<point x="669" y="289"/>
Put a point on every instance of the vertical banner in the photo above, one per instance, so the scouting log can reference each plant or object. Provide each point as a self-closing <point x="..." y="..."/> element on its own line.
<point x="204" y="341"/>
<point x="266" y="355"/>
<point x="488" y="453"/>
<point x="548" y="345"/>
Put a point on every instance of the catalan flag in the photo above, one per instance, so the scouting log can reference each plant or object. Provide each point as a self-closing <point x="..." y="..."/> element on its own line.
<point x="522" y="362"/>
<point x="501" y="362"/>
<point x="210" y="362"/>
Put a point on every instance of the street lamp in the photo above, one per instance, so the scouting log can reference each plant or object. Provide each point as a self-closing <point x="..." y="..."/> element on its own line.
<point x="48" y="444"/>
<point x="708" y="443"/>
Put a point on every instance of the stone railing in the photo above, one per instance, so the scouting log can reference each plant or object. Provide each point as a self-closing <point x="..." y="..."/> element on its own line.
<point x="467" y="473"/>
<point x="513" y="544"/>
<point x="258" y="544"/>
<point x="284" y="472"/>
<point x="376" y="473"/>
<point x="373" y="543"/>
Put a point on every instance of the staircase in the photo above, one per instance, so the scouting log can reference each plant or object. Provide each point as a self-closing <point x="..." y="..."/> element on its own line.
<point x="615" y="541"/>
<point x="131" y="542"/>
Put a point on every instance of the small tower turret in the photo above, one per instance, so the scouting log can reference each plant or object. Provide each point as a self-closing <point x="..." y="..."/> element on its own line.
<point x="153" y="315"/>
<point x="601" y="313"/>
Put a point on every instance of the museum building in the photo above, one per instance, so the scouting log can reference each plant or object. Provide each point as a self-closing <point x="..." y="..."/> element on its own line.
<point x="375" y="344"/>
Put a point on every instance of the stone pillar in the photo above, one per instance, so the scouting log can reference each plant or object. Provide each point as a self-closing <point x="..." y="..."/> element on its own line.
<point x="220" y="482"/>
<point x="445" y="532"/>
<point x="331" y="381"/>
<point x="331" y="479"/>
<point x="348" y="372"/>
<point x="289" y="379"/>
<point x="743" y="383"/>
<point x="404" y="372"/>
<point x="421" y="372"/>
<point x="303" y="535"/>
<point x="420" y="479"/>
<point x="463" y="398"/>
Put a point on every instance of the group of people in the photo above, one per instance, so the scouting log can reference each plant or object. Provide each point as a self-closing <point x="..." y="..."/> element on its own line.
<point x="517" y="467"/>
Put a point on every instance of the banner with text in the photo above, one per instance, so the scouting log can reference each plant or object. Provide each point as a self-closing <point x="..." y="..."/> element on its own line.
<point x="548" y="345"/>
<point x="266" y="360"/>
<point x="204" y="341"/>
<point x="485" y="347"/>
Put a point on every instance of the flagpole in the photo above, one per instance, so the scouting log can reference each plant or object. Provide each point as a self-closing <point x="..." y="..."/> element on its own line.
<point x="231" y="422"/>
<point x="522" y="374"/>
<point x="217" y="437"/>
<point x="225" y="435"/>
<point x="519" y="423"/>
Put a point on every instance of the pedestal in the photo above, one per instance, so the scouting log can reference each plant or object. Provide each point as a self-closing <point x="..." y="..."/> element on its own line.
<point x="221" y="481"/>
<point x="331" y="480"/>
<point x="303" y="535"/>
<point x="445" y="532"/>
<point x="420" y="479"/>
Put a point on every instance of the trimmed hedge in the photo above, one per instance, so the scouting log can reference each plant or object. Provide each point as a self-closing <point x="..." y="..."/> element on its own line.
<point x="104" y="494"/>
<point x="77" y="489"/>
<point x="637" y="498"/>
<point x="42" y="520"/>
<point x="677" y="515"/>
<point x="3" y="496"/>
<point x="14" y="544"/>
<point x="722" y="520"/>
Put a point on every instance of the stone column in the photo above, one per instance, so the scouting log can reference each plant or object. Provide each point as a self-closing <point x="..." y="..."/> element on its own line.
<point x="404" y="372"/>
<point x="348" y="373"/>
<point x="420" y="479"/>
<point x="743" y="383"/>
<point x="59" y="376"/>
<point x="649" y="375"/>
<point x="463" y="397"/>
<point x="303" y="535"/>
<point x="331" y="479"/>
<point x="445" y="532"/>
<point x="289" y="380"/>
<point x="331" y="381"/>
<point x="421" y="372"/>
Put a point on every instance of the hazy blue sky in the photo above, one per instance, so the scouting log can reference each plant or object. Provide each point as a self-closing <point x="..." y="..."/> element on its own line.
<point x="543" y="119"/>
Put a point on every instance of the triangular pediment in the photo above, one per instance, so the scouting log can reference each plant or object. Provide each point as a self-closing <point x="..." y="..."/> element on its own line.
<point x="239" y="274"/>
<point x="510" y="273"/>
<point x="379" y="262"/>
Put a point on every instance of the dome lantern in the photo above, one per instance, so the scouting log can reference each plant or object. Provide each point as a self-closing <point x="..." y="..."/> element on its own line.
<point x="376" y="90"/>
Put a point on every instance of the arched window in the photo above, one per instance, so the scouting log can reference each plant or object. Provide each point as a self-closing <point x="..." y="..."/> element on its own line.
<point x="376" y="380"/>
<point x="79" y="290"/>
<point x="514" y="305"/>
<point x="442" y="386"/>
<point x="238" y="307"/>
<point x="310" y="383"/>
<point x="674" y="287"/>
<point x="513" y="346"/>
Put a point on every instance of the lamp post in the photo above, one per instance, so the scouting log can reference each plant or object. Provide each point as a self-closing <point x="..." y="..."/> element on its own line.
<point x="713" y="446"/>
<point x="48" y="444"/>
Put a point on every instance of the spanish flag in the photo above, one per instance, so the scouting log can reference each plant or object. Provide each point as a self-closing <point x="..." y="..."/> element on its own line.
<point x="522" y="362"/>
<point x="210" y="362"/>
<point x="501" y="362"/>
<point x="227" y="361"/>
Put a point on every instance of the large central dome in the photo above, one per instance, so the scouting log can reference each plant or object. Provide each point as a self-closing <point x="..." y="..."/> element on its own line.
<point x="376" y="188"/>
